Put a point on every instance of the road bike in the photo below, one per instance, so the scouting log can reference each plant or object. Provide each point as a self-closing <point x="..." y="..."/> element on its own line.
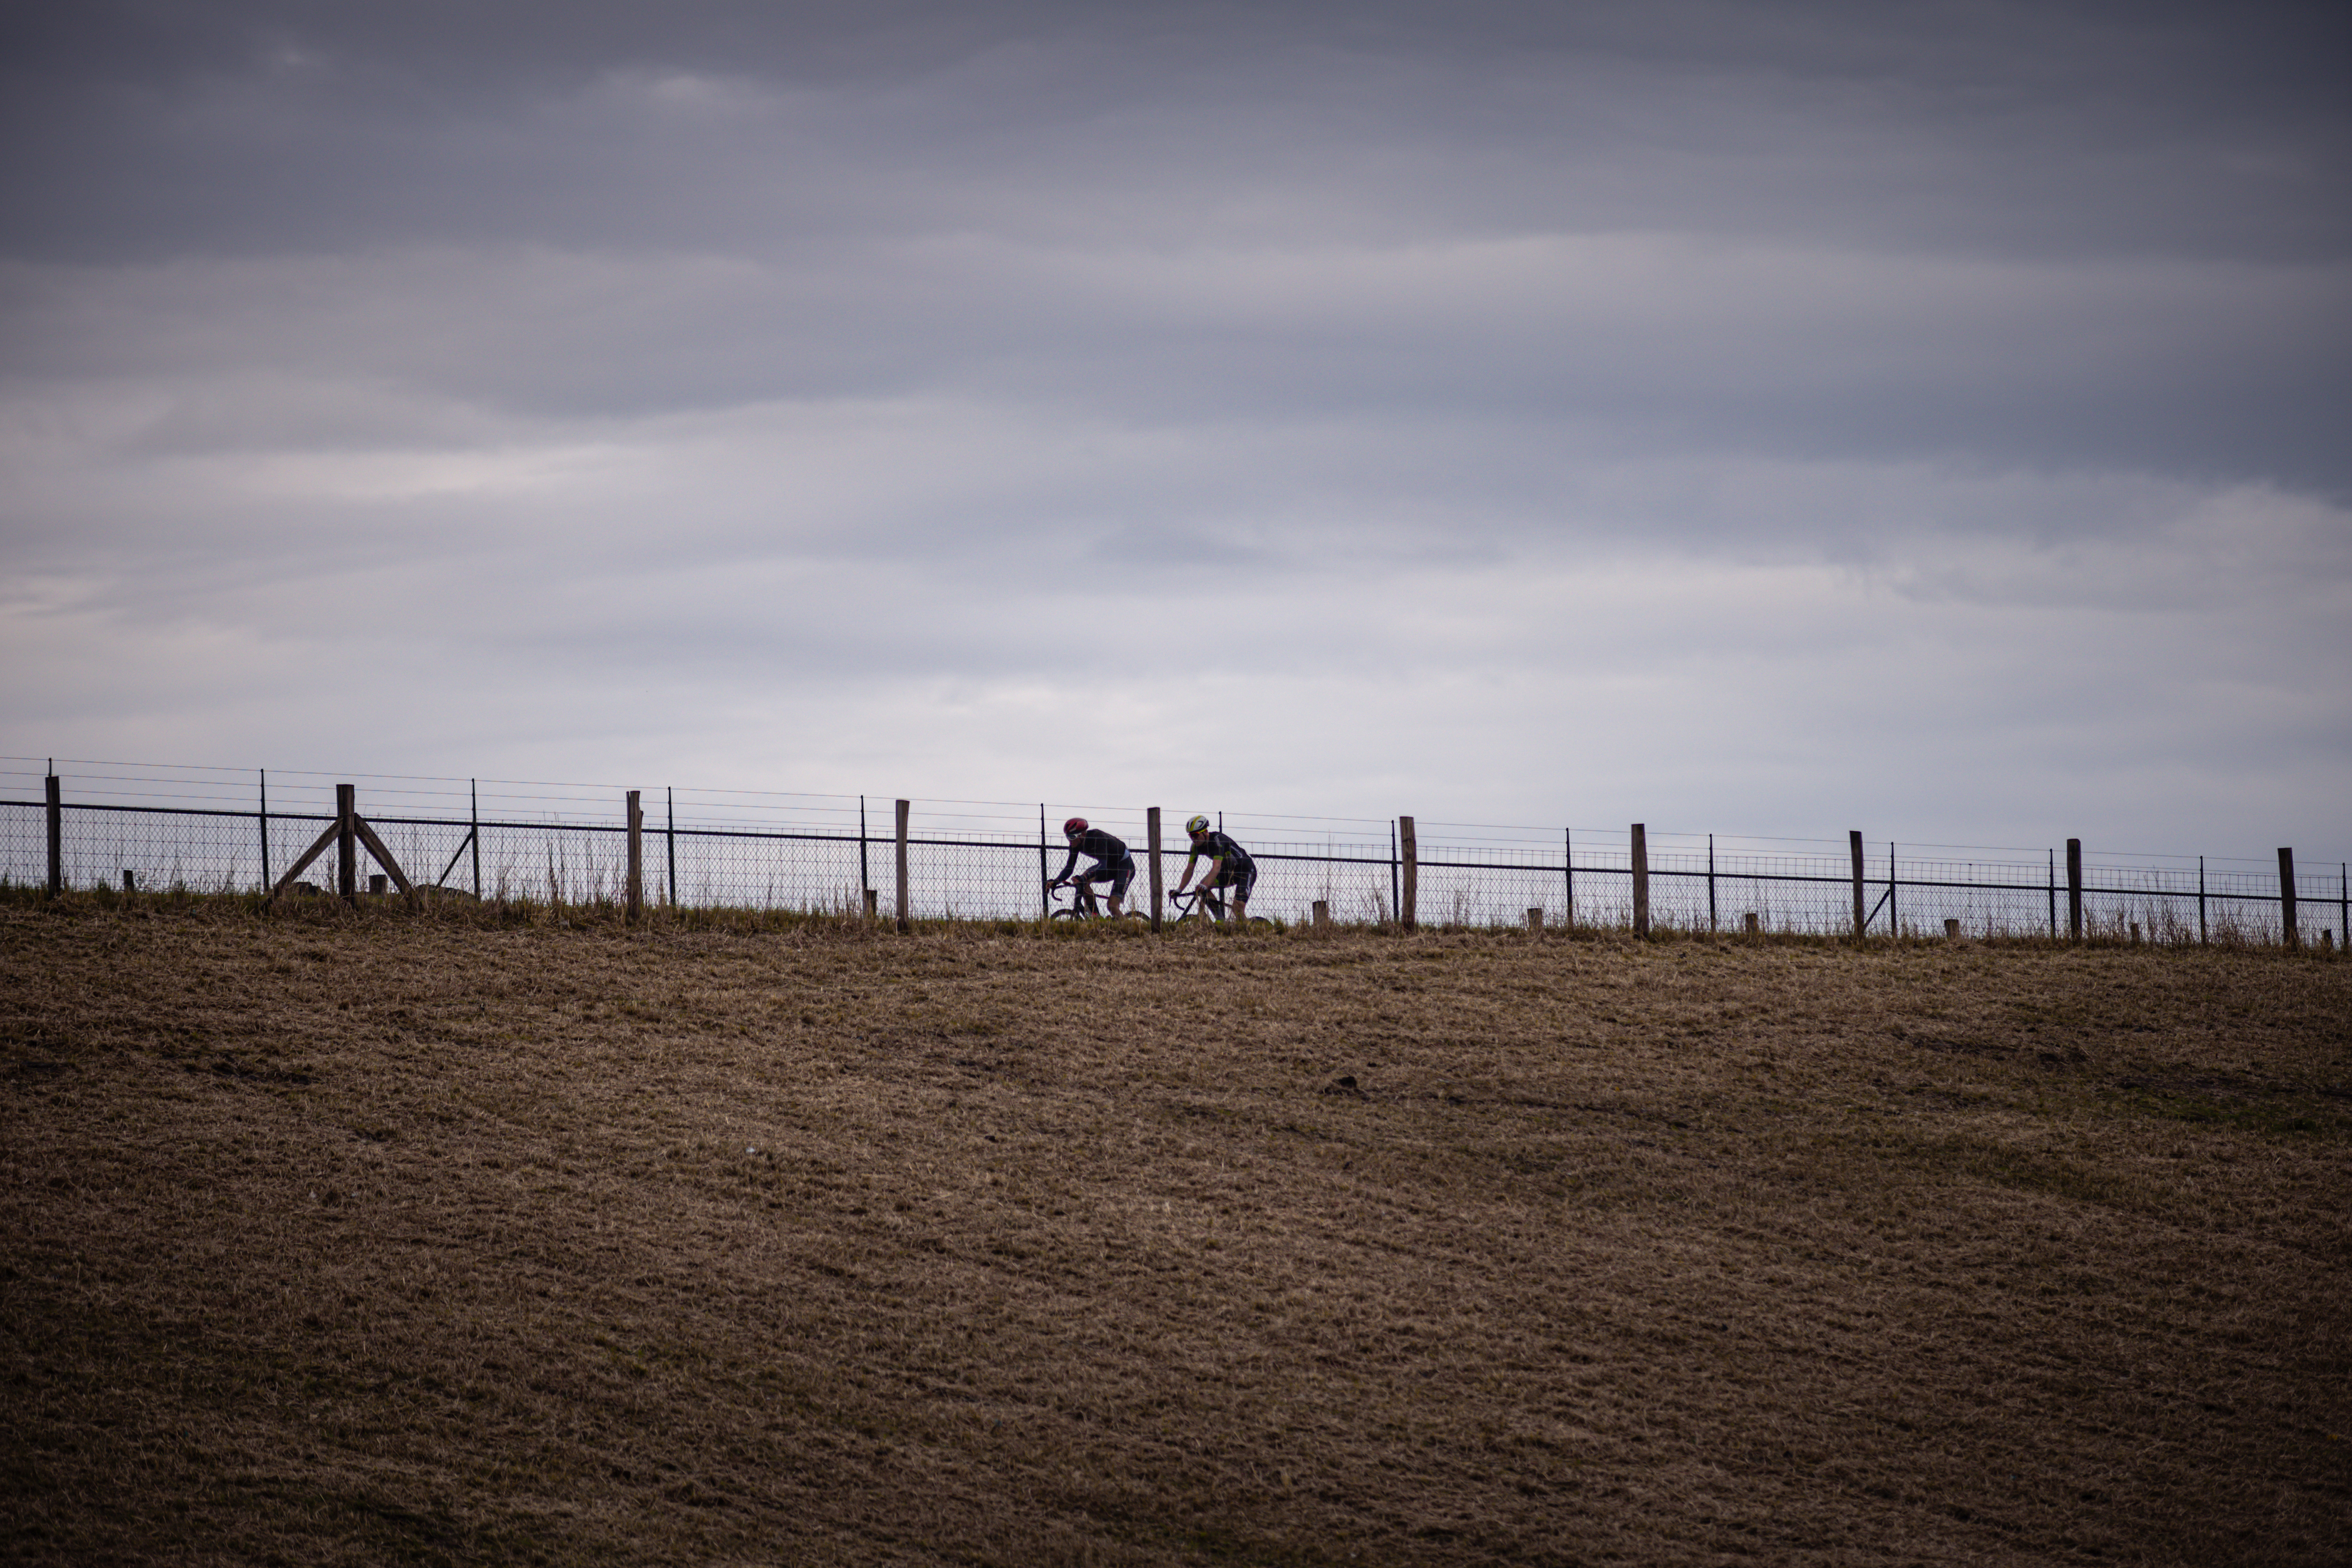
<point x="1084" y="906"/>
<point x="1191" y="907"/>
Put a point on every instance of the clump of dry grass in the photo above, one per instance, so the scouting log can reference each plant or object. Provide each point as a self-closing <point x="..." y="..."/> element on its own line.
<point x="353" y="1238"/>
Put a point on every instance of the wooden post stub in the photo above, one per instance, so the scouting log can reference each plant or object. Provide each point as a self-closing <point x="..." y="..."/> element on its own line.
<point x="2293" y="937"/>
<point x="1409" y="900"/>
<point x="347" y="843"/>
<point x="1151" y="837"/>
<point x="1749" y="923"/>
<point x="872" y="898"/>
<point x="2073" y="889"/>
<point x="378" y="884"/>
<point x="56" y="815"/>
<point x="1322" y="912"/>
<point x="635" y="906"/>
<point x="129" y="883"/>
<point x="1640" y="881"/>
<point x="1535" y="920"/>
<point x="1861" y="910"/>
<point x="1951" y="930"/>
<point x="2134" y="925"/>
<point x="906" y="915"/>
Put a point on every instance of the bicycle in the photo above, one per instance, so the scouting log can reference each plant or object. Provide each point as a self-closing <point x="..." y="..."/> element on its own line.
<point x="1190" y="903"/>
<point x="1084" y="905"/>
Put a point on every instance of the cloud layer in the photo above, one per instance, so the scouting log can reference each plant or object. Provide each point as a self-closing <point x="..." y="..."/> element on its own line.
<point x="1920" y="418"/>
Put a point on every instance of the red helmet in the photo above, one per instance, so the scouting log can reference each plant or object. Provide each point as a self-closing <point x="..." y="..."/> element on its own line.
<point x="1076" y="824"/>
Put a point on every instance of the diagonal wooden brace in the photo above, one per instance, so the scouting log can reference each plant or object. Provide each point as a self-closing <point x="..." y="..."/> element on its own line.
<point x="383" y="857"/>
<point x="325" y="840"/>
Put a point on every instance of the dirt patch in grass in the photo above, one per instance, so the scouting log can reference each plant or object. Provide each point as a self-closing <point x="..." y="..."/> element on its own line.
<point x="332" y="1238"/>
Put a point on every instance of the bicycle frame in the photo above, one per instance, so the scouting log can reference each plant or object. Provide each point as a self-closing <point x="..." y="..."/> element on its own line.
<point x="1184" y="903"/>
<point x="1084" y="907"/>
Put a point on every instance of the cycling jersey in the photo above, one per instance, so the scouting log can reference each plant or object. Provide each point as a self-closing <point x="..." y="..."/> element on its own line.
<point x="1094" y="841"/>
<point x="1217" y="846"/>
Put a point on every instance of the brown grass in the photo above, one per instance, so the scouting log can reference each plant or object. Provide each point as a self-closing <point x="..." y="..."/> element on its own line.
<point x="358" y="1238"/>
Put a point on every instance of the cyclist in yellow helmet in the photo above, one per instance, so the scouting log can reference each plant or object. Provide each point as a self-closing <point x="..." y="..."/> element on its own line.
<point x="1228" y="866"/>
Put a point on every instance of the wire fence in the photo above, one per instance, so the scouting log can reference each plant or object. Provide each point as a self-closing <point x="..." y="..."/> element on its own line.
<point x="221" y="830"/>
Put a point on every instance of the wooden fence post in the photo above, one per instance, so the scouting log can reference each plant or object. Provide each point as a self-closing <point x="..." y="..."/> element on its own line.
<point x="1320" y="914"/>
<point x="1640" y="881"/>
<point x="1409" y="900"/>
<point x="1151" y="833"/>
<point x="347" y="843"/>
<point x="1534" y="921"/>
<point x="636" y="907"/>
<point x="2073" y="889"/>
<point x="906" y="915"/>
<point x="56" y="815"/>
<point x="2293" y="937"/>
<point x="1861" y="910"/>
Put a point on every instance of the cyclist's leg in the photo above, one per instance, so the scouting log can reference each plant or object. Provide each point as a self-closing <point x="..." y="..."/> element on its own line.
<point x="1120" y="876"/>
<point x="1243" y="886"/>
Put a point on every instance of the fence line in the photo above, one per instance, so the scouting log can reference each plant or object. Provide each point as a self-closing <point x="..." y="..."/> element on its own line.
<point x="566" y="843"/>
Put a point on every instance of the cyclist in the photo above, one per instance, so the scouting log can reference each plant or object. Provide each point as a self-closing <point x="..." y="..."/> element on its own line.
<point x="1228" y="866"/>
<point x="1112" y="863"/>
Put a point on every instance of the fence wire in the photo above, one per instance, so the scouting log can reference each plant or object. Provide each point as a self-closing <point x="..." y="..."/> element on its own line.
<point x="214" y="830"/>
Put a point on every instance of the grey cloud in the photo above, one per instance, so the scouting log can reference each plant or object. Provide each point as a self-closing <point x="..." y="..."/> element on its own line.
<point x="1770" y="393"/>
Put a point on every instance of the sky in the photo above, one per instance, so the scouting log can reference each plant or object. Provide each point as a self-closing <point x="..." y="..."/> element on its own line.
<point x="1772" y="419"/>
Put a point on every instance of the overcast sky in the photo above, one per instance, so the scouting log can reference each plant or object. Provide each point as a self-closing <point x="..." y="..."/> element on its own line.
<point x="1935" y="419"/>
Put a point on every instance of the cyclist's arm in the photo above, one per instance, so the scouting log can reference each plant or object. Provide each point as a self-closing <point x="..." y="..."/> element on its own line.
<point x="1063" y="874"/>
<point x="1207" y="877"/>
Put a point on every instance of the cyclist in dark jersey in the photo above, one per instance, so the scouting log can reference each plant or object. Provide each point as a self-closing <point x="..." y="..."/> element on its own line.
<point x="1112" y="863"/>
<point x="1230" y="865"/>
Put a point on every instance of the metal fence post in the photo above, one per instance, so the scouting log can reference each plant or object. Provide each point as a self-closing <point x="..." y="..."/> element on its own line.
<point x="2073" y="889"/>
<point x="2288" y="933"/>
<point x="1710" y="882"/>
<point x="1151" y="831"/>
<point x="2053" y="895"/>
<point x="267" y="881"/>
<point x="1567" y="872"/>
<point x="2201" y="900"/>
<point x="905" y="916"/>
<point x="1409" y="896"/>
<point x="669" y="842"/>
<point x="347" y="844"/>
<point x="1396" y="899"/>
<point x="1045" y="902"/>
<point x="865" y="877"/>
<point x="1640" y="881"/>
<point x="634" y="907"/>
<point x="1861" y="910"/>
<point x="56" y="815"/>
<point x="1894" y="914"/>
<point x="474" y="810"/>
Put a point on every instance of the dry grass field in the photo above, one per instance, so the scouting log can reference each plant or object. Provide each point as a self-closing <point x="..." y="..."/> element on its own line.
<point x="338" y="1238"/>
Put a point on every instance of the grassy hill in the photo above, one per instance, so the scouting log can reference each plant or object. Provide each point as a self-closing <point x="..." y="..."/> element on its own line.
<point x="357" y="1238"/>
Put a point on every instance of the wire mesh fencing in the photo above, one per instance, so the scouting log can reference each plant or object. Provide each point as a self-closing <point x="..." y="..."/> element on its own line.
<point x="219" y="830"/>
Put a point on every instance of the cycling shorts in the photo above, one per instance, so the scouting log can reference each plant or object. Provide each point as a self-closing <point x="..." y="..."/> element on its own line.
<point x="1240" y="877"/>
<point x="1119" y="873"/>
